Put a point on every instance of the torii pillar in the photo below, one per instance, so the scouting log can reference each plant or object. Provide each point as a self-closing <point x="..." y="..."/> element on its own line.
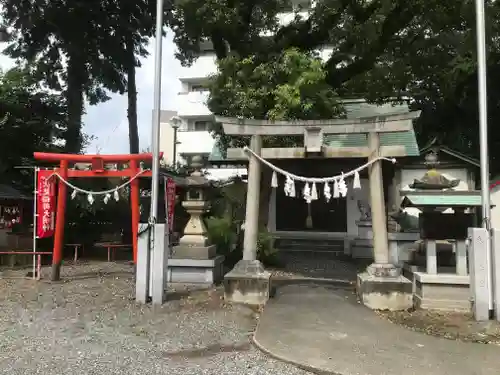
<point x="248" y="282"/>
<point x="381" y="286"/>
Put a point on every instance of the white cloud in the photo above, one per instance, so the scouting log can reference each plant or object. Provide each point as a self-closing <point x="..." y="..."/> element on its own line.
<point x="108" y="121"/>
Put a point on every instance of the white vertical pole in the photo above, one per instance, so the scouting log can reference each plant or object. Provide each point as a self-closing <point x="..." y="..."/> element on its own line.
<point x="157" y="244"/>
<point x="155" y="131"/>
<point x="483" y="132"/>
<point x="35" y="217"/>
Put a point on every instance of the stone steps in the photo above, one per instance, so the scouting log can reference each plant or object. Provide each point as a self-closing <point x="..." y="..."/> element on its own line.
<point x="295" y="245"/>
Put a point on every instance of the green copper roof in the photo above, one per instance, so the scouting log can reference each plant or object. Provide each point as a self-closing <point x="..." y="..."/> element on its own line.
<point x="357" y="108"/>
<point x="442" y="200"/>
<point x="406" y="139"/>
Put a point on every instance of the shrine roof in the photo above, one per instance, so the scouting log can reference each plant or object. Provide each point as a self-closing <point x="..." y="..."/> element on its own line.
<point x="406" y="139"/>
<point x="435" y="146"/>
<point x="442" y="199"/>
<point x="359" y="108"/>
<point x="8" y="192"/>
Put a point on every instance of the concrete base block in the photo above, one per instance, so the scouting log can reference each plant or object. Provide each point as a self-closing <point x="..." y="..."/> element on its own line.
<point x="441" y="304"/>
<point x="445" y="292"/>
<point x="248" y="283"/>
<point x="384" y="293"/>
<point x="196" y="271"/>
<point x="183" y="251"/>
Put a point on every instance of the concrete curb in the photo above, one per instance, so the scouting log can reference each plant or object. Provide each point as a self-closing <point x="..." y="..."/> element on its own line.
<point x="292" y="362"/>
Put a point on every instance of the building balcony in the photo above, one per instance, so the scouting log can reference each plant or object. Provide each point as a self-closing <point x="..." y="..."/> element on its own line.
<point x="194" y="142"/>
<point x="193" y="104"/>
<point x="203" y="67"/>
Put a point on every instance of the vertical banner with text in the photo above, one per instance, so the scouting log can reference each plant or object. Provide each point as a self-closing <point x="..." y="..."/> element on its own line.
<point x="170" y="201"/>
<point x="45" y="204"/>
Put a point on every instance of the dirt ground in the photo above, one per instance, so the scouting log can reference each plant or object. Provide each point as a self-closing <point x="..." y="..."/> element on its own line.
<point x="89" y="323"/>
<point x="449" y="325"/>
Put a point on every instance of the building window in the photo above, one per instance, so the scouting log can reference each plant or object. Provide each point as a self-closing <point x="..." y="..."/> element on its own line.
<point x="198" y="88"/>
<point x="200" y="126"/>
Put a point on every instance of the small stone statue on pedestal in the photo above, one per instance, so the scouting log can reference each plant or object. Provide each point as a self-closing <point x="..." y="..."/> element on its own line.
<point x="365" y="220"/>
<point x="392" y="224"/>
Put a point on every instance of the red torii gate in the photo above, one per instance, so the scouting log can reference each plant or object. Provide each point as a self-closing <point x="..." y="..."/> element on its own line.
<point x="98" y="170"/>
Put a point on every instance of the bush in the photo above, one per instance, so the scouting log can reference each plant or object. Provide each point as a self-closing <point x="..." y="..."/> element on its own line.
<point x="221" y="233"/>
<point x="266" y="252"/>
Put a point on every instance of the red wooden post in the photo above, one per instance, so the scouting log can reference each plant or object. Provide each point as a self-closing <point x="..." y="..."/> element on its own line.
<point x="60" y="221"/>
<point x="65" y="173"/>
<point x="134" y="205"/>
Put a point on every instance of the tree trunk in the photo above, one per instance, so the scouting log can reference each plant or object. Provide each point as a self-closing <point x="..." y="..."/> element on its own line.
<point x="74" y="97"/>
<point x="133" y="131"/>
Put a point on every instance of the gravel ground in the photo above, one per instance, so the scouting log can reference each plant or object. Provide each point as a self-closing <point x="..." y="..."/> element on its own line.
<point x="448" y="324"/>
<point x="90" y="324"/>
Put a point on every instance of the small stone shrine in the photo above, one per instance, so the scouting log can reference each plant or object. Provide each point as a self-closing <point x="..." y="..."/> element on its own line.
<point x="438" y="269"/>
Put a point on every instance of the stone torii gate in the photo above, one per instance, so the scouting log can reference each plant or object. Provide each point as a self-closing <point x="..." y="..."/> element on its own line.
<point x="380" y="285"/>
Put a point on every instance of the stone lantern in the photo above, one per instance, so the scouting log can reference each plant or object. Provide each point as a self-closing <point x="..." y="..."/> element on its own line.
<point x="195" y="260"/>
<point x="195" y="244"/>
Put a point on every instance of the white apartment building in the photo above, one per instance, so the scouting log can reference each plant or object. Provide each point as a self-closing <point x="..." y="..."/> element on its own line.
<point x="188" y="124"/>
<point x="191" y="113"/>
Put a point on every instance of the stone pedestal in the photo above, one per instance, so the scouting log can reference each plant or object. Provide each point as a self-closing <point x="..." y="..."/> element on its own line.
<point x="382" y="287"/>
<point x="384" y="293"/>
<point x="392" y="225"/>
<point x="365" y="229"/>
<point x="362" y="245"/>
<point x="248" y="283"/>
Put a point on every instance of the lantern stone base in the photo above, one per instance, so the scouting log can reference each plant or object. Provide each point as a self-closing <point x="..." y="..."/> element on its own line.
<point x="247" y="283"/>
<point x="384" y="292"/>
<point x="183" y="251"/>
<point x="196" y="271"/>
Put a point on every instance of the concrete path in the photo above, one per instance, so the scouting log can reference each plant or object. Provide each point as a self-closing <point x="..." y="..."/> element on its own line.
<point x="325" y="330"/>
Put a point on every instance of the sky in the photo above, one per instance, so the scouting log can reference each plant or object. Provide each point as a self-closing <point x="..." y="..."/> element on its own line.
<point x="108" y="121"/>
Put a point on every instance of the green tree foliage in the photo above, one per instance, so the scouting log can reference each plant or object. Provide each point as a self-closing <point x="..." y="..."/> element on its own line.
<point x="419" y="49"/>
<point x="82" y="49"/>
<point x="289" y="86"/>
<point x="58" y="40"/>
<point x="32" y="120"/>
<point x="438" y="71"/>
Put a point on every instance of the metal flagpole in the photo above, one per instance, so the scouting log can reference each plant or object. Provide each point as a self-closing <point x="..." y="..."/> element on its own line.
<point x="155" y="134"/>
<point x="483" y="128"/>
<point x="483" y="112"/>
<point x="157" y="250"/>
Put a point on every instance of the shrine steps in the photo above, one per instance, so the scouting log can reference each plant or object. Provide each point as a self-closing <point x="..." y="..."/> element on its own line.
<point x="310" y="245"/>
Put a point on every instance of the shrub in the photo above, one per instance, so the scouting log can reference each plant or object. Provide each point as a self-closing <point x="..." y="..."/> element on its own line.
<point x="266" y="252"/>
<point x="221" y="233"/>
